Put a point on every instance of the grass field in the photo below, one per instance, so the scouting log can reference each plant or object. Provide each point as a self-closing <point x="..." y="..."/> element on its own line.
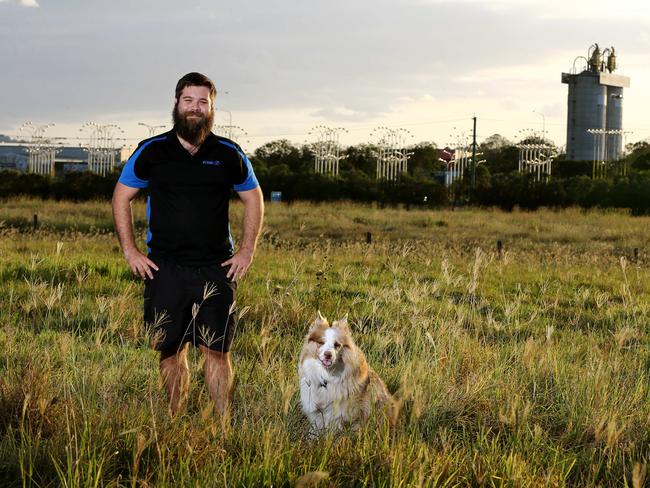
<point x="525" y="367"/>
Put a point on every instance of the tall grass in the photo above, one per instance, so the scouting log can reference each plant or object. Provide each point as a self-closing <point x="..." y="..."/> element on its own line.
<point x="525" y="368"/>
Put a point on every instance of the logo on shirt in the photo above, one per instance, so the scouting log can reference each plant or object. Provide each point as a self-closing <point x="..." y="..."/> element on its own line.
<point x="212" y="163"/>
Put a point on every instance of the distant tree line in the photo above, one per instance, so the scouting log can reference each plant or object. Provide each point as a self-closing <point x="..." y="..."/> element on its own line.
<point x="500" y="184"/>
<point x="288" y="168"/>
<point x="77" y="186"/>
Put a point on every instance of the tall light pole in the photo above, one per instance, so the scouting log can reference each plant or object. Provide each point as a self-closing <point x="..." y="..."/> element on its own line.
<point x="229" y="133"/>
<point x="151" y="128"/>
<point x="327" y="149"/>
<point x="392" y="154"/>
<point x="228" y="112"/>
<point x="101" y="146"/>
<point x="474" y="154"/>
<point x="232" y="132"/>
<point x="543" y="123"/>
<point x="41" y="151"/>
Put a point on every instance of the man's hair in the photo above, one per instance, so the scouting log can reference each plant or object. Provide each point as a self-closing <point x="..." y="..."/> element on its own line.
<point x="196" y="79"/>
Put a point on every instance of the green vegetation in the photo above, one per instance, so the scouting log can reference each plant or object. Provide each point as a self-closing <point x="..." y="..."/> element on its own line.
<point x="529" y="367"/>
<point x="281" y="166"/>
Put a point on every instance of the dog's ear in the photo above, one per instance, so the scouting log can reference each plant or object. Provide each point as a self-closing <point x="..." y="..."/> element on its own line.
<point x="343" y="322"/>
<point x="318" y="321"/>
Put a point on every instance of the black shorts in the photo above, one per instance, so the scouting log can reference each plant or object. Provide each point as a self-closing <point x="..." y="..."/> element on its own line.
<point x="189" y="304"/>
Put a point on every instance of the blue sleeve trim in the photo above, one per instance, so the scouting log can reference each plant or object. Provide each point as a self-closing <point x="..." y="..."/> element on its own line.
<point x="128" y="176"/>
<point x="250" y="183"/>
<point x="230" y="144"/>
<point x="148" y="222"/>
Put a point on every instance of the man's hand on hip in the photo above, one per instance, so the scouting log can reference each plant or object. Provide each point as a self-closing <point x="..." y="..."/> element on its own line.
<point x="239" y="264"/>
<point x="140" y="264"/>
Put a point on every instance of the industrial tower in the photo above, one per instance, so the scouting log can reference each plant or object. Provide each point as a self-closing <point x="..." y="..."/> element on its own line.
<point x="595" y="107"/>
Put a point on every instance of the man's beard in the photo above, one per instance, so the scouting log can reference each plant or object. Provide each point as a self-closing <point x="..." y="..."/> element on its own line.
<point x="194" y="131"/>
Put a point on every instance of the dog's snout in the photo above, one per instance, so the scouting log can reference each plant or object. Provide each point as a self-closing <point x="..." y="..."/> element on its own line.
<point x="327" y="355"/>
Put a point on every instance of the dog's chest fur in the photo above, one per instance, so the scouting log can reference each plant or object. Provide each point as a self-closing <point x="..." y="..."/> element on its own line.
<point x="329" y="397"/>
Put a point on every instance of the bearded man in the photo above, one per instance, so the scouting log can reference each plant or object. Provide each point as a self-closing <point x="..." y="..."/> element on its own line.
<point x="190" y="268"/>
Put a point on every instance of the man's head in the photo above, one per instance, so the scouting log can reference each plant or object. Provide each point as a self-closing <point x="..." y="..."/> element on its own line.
<point x="193" y="112"/>
<point x="196" y="79"/>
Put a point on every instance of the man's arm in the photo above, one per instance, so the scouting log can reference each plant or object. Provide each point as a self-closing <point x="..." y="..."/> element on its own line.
<point x="253" y="216"/>
<point x="140" y="264"/>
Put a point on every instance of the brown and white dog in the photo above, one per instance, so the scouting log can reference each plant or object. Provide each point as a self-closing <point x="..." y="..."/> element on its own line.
<point x="337" y="387"/>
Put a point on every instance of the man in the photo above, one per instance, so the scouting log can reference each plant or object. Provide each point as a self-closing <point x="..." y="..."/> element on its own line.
<point x="190" y="269"/>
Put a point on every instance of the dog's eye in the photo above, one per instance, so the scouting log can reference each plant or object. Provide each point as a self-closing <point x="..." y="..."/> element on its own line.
<point x="337" y="345"/>
<point x="320" y="343"/>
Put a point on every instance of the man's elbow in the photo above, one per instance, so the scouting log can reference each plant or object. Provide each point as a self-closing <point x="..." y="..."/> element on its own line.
<point x="253" y="197"/>
<point x="260" y="196"/>
<point x="118" y="199"/>
<point x="122" y="195"/>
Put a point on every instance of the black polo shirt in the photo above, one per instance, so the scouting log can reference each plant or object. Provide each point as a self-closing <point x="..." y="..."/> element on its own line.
<point x="187" y="207"/>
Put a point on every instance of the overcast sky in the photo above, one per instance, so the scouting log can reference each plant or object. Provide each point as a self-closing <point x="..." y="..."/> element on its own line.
<point x="283" y="67"/>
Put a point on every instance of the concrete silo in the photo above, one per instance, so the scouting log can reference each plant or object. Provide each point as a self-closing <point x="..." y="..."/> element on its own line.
<point x="595" y="108"/>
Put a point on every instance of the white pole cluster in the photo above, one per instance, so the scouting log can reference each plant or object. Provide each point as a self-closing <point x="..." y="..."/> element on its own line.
<point x="101" y="147"/>
<point x="606" y="144"/>
<point x="461" y="158"/>
<point x="536" y="159"/>
<point x="392" y="155"/>
<point x="327" y="149"/>
<point x="41" y="150"/>
<point x="152" y="129"/>
<point x="232" y="132"/>
<point x="536" y="156"/>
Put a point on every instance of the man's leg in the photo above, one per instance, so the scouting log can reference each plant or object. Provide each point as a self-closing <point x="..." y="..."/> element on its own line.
<point x="176" y="375"/>
<point x="218" y="378"/>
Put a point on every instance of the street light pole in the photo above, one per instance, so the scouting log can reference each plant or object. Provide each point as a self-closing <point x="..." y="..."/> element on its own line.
<point x="152" y="129"/>
<point x="229" y="134"/>
<point x="543" y="123"/>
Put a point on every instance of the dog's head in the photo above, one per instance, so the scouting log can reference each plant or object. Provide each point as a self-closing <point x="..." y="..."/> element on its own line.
<point x="328" y="343"/>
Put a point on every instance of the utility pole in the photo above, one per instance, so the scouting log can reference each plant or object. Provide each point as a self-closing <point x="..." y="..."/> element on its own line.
<point x="474" y="154"/>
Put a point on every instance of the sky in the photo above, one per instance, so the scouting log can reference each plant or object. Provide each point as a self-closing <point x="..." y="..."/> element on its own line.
<point x="284" y="67"/>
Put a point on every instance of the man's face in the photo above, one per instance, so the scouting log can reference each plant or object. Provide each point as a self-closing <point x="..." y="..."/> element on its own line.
<point x="193" y="114"/>
<point x="194" y="102"/>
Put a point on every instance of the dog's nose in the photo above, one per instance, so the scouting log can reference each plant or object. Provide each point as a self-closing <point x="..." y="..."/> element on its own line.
<point x="327" y="354"/>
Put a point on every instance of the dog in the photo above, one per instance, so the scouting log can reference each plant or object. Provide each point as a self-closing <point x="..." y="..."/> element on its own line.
<point x="337" y="387"/>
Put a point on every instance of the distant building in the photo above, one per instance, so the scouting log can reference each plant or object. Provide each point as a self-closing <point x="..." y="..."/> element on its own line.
<point x="13" y="157"/>
<point x="16" y="156"/>
<point x="595" y="108"/>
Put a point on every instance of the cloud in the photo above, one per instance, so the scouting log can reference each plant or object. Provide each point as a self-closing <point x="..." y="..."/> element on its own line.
<point x="290" y="65"/>
<point x="602" y="10"/>
<point x="344" y="114"/>
<point x="23" y="3"/>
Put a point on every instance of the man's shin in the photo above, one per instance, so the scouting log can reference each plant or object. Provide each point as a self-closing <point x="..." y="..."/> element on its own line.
<point x="219" y="379"/>
<point x="175" y="373"/>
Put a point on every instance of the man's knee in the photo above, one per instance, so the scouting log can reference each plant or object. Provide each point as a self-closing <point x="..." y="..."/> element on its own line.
<point x="217" y="362"/>
<point x="174" y="355"/>
<point x="214" y="356"/>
